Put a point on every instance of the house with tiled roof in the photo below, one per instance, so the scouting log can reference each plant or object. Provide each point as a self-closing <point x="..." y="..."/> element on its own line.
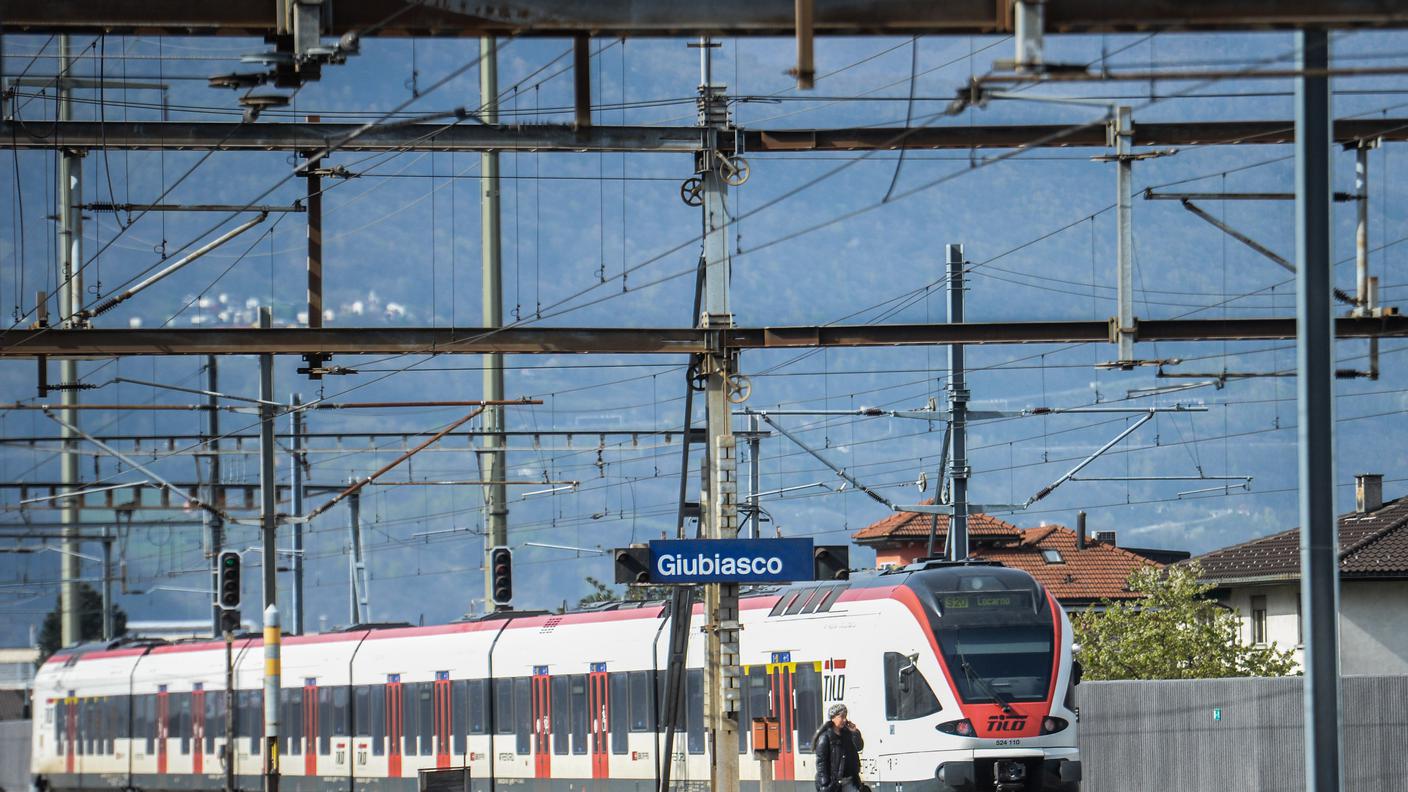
<point x="1078" y="570"/>
<point x="1260" y="579"/>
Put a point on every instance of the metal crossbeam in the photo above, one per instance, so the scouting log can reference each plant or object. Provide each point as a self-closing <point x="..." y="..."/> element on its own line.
<point x="568" y="340"/>
<point x="257" y="18"/>
<point x="205" y="136"/>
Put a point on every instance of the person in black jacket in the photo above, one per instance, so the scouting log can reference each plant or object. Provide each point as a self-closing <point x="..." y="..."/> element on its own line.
<point x="838" y="746"/>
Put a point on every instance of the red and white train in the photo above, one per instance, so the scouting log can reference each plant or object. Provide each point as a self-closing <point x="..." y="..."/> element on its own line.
<point x="958" y="675"/>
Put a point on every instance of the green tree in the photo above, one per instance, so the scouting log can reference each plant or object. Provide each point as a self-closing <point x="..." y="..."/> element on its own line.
<point x="1174" y="632"/>
<point x="90" y="622"/>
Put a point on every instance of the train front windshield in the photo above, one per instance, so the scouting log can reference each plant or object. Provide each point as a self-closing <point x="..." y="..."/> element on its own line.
<point x="998" y="662"/>
<point x="997" y="644"/>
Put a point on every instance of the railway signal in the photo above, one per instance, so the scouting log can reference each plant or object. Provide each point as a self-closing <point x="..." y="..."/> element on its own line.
<point x="501" y="576"/>
<point x="831" y="562"/>
<point x="228" y="593"/>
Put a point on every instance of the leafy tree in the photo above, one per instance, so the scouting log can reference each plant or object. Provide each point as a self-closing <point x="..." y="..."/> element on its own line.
<point x="1175" y="632"/>
<point x="90" y="622"/>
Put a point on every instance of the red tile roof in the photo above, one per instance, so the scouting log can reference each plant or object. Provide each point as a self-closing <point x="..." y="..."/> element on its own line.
<point x="1100" y="571"/>
<point x="908" y="526"/>
<point x="1371" y="545"/>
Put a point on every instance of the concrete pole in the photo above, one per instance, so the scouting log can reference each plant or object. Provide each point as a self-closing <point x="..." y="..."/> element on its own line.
<point x="214" y="523"/>
<point x="269" y="546"/>
<point x="356" y="565"/>
<point x="958" y="410"/>
<point x="721" y="663"/>
<point x="1361" y="229"/>
<point x="1315" y="380"/>
<point x="493" y="469"/>
<point x="70" y="302"/>
<point x="296" y="562"/>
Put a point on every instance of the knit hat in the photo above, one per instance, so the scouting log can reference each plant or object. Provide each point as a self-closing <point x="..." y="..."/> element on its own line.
<point x="834" y="710"/>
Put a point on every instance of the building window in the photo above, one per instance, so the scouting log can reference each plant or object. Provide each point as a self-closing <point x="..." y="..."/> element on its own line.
<point x="1258" y="620"/>
<point x="1053" y="556"/>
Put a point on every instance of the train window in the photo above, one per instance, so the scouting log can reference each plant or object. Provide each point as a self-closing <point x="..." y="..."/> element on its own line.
<point x="1009" y="661"/>
<point x="292" y="720"/>
<point x="617" y="708"/>
<point x="477" y="710"/>
<point x="148" y="721"/>
<point x="377" y="719"/>
<point x="694" y="711"/>
<point x="324" y="721"/>
<point x="214" y="718"/>
<point x="907" y="693"/>
<point x="60" y="724"/>
<point x="523" y="707"/>
<point x="410" y="723"/>
<point x="561" y="714"/>
<point x="183" y="719"/>
<point x="745" y="719"/>
<point x="662" y="694"/>
<point x="361" y="711"/>
<point x="641" y="702"/>
<point x="784" y="602"/>
<point x="503" y="707"/>
<point x="81" y="727"/>
<point x="806" y="692"/>
<point x="580" y="715"/>
<point x="758" y="691"/>
<point x="459" y="706"/>
<point x="425" y="710"/>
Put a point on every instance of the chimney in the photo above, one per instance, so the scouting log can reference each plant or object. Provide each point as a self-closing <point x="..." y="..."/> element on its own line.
<point x="1368" y="492"/>
<point x="1080" y="530"/>
<point x="1105" y="537"/>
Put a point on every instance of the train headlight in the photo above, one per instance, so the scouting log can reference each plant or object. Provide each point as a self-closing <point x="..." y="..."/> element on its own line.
<point x="960" y="728"/>
<point x="1052" y="725"/>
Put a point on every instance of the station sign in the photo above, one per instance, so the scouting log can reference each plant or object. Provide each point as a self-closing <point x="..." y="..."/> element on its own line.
<point x="730" y="560"/>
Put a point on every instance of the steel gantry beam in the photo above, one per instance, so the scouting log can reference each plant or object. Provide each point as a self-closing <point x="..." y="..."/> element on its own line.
<point x="99" y="342"/>
<point x="206" y="136"/>
<point x="682" y="18"/>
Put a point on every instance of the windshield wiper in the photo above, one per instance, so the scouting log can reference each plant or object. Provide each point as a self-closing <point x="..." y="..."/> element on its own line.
<point x="973" y="677"/>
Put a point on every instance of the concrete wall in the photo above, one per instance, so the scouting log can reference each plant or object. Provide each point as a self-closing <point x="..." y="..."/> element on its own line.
<point x="14" y="756"/>
<point x="1168" y="735"/>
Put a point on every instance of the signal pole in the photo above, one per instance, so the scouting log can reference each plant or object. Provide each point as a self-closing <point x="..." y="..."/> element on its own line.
<point x="269" y="520"/>
<point x="495" y="495"/>
<point x="719" y="506"/>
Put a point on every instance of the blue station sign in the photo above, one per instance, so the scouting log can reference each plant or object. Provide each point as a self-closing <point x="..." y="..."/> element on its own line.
<point x="730" y="560"/>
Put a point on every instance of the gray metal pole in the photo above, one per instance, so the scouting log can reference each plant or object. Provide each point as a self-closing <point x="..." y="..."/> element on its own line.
<point x="495" y="495"/>
<point x="215" y="524"/>
<point x="70" y="302"/>
<point x="722" y="690"/>
<point x="958" y="411"/>
<point x="1315" y="368"/>
<point x="755" y="478"/>
<point x="107" y="584"/>
<point x="356" y="584"/>
<point x="1124" y="224"/>
<point x="269" y="542"/>
<point x="296" y="561"/>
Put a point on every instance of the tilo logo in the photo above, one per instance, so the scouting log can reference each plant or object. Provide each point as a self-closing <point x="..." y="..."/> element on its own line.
<point x="1007" y="723"/>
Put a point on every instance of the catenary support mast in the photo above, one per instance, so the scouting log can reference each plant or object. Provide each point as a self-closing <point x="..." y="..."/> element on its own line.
<point x="1315" y="390"/>
<point x="495" y="495"/>
<point x="70" y="303"/>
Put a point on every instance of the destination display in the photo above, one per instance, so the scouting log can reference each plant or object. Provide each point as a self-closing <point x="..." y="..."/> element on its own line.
<point x="984" y="600"/>
<point x="730" y="560"/>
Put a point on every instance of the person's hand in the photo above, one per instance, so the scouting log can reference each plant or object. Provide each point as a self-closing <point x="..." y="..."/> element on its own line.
<point x="850" y="726"/>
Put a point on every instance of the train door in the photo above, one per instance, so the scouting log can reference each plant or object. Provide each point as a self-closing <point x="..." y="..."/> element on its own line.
<point x="598" y="701"/>
<point x="310" y="727"/>
<point x="542" y="722"/>
<point x="68" y="709"/>
<point x="395" y="709"/>
<point x="780" y="671"/>
<point x="198" y="729"/>
<point x="161" y="729"/>
<point x="442" y="712"/>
